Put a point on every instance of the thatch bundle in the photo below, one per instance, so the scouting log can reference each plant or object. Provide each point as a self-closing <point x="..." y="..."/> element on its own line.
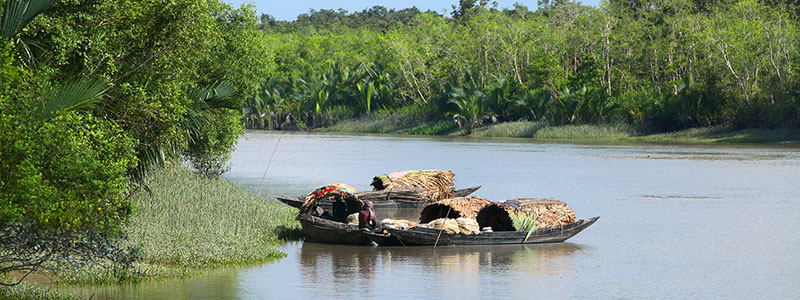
<point x="466" y="207"/>
<point x="548" y="212"/>
<point x="468" y="226"/>
<point x="332" y="192"/>
<point x="403" y="224"/>
<point x="434" y="183"/>
<point x="448" y="226"/>
<point x="404" y="195"/>
<point x="463" y="226"/>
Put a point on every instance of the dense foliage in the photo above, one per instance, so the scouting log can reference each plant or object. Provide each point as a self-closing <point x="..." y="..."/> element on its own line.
<point x="663" y="65"/>
<point x="94" y="94"/>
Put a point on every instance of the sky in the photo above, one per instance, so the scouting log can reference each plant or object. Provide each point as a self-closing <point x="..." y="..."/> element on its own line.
<point x="289" y="10"/>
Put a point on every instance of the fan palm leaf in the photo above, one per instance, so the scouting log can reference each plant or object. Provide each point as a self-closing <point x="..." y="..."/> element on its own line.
<point x="81" y="94"/>
<point x="17" y="14"/>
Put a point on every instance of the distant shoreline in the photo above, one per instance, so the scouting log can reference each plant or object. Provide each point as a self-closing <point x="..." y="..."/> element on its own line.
<point x="543" y="131"/>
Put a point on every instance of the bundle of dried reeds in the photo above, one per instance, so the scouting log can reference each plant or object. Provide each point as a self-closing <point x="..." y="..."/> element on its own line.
<point x="548" y="212"/>
<point x="434" y="183"/>
<point x="407" y="195"/>
<point x="403" y="224"/>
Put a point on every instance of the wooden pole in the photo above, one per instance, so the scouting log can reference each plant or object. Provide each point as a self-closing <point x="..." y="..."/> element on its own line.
<point x="442" y="229"/>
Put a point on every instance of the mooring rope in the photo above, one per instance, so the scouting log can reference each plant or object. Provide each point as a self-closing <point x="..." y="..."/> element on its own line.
<point x="268" y="164"/>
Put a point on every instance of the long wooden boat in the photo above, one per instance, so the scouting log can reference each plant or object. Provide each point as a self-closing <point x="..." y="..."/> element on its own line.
<point x="386" y="199"/>
<point x="325" y="231"/>
<point x="423" y="236"/>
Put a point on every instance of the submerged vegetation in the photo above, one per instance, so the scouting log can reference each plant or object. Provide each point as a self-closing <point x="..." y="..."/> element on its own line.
<point x="25" y="291"/>
<point x="659" y="66"/>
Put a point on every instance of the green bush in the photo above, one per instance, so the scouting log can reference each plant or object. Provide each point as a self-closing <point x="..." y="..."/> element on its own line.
<point x="66" y="173"/>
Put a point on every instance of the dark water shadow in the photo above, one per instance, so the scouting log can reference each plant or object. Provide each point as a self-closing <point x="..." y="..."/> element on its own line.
<point x="287" y="233"/>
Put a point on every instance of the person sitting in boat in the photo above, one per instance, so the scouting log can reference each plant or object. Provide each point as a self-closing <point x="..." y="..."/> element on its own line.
<point x="366" y="217"/>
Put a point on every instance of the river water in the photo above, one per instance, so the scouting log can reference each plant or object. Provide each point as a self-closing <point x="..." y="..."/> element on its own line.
<point x="677" y="222"/>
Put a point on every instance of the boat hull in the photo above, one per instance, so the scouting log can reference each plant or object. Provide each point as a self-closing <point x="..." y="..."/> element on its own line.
<point x="319" y="230"/>
<point x="420" y="236"/>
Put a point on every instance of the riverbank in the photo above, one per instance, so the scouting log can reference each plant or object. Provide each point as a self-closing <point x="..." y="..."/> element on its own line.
<point x="402" y="124"/>
<point x="185" y="224"/>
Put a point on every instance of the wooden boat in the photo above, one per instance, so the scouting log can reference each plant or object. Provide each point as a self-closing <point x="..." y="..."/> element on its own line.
<point x="423" y="236"/>
<point x="386" y="199"/>
<point x="321" y="230"/>
<point x="555" y="220"/>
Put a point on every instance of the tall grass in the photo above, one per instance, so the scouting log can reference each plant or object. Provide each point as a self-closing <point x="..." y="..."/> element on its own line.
<point x="522" y="129"/>
<point x="379" y="122"/>
<point x="587" y="132"/>
<point x="33" y="291"/>
<point x="195" y="221"/>
<point x="725" y="134"/>
<point x="441" y="127"/>
<point x="189" y="222"/>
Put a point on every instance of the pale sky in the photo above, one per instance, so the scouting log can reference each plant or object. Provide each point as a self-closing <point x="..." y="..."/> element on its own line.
<point x="289" y="10"/>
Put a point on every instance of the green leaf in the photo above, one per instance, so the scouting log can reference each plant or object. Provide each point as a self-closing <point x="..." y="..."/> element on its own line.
<point x="77" y="95"/>
<point x="18" y="13"/>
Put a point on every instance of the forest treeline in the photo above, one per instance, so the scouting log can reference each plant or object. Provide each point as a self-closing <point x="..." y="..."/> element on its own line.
<point x="662" y="65"/>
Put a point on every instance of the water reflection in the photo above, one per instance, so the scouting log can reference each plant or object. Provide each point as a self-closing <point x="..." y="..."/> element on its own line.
<point x="347" y="271"/>
<point x="217" y="284"/>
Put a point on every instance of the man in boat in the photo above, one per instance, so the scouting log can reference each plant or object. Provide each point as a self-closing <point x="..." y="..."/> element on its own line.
<point x="366" y="217"/>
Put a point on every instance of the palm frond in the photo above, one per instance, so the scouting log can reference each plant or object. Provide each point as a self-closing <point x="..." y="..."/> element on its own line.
<point x="216" y="95"/>
<point x="81" y="94"/>
<point x="17" y="14"/>
<point x="150" y="158"/>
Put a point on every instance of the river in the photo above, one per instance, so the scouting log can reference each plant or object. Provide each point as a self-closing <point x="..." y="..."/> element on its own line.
<point x="677" y="222"/>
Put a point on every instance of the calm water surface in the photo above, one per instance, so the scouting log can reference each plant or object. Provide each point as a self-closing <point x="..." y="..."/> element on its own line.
<point x="677" y="222"/>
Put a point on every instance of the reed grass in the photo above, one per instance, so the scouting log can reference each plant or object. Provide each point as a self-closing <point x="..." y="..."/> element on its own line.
<point x="440" y="127"/>
<point x="521" y="129"/>
<point x="587" y="132"/>
<point x="725" y="134"/>
<point x="378" y="122"/>
<point x="24" y="291"/>
<point x="189" y="222"/>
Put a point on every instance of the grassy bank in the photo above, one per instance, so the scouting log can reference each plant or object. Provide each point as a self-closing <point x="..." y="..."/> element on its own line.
<point x="186" y="223"/>
<point x="404" y="124"/>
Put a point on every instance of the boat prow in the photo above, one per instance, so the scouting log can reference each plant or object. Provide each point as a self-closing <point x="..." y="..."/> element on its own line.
<point x="297" y="203"/>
